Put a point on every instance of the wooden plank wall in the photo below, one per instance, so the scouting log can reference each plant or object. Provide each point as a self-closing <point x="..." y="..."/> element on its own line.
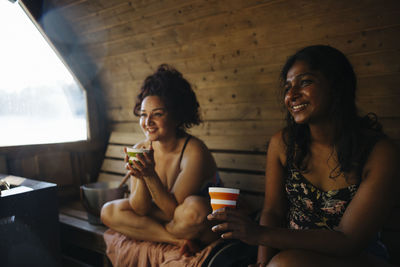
<point x="232" y="51"/>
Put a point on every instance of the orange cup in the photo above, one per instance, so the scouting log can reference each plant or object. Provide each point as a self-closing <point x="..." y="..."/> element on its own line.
<point x="223" y="197"/>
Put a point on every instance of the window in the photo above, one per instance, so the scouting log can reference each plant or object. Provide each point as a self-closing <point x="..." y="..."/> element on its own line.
<point x="40" y="101"/>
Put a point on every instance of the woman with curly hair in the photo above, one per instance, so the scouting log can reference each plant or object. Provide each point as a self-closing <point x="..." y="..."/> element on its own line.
<point x="331" y="175"/>
<point x="165" y="203"/>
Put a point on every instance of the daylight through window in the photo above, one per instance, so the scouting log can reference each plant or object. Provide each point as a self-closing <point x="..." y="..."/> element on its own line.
<point x="40" y="101"/>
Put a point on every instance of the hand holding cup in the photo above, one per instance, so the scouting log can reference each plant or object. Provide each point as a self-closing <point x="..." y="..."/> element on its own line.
<point x="140" y="162"/>
<point x="234" y="224"/>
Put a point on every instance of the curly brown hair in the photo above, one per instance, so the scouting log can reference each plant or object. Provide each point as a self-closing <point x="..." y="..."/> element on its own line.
<point x="176" y="93"/>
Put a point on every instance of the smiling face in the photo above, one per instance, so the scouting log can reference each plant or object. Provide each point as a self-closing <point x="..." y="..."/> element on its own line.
<point x="307" y="94"/>
<point x="155" y="120"/>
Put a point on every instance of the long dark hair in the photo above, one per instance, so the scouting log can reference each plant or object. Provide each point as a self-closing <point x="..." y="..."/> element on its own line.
<point x="354" y="136"/>
<point x="176" y="93"/>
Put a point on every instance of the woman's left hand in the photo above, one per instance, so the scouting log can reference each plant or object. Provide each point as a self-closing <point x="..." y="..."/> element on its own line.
<point x="235" y="225"/>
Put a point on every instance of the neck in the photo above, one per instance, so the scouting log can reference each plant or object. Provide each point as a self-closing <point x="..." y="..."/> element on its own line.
<point x="322" y="133"/>
<point x="168" y="145"/>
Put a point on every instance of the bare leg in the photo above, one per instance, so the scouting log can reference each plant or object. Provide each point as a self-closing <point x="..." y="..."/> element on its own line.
<point x="119" y="216"/>
<point x="190" y="221"/>
<point x="297" y="258"/>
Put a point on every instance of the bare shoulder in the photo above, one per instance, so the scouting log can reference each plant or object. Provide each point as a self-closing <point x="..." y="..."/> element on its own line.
<point x="277" y="140"/>
<point x="197" y="152"/>
<point x="195" y="145"/>
<point x="384" y="150"/>
<point x="384" y="158"/>
<point x="277" y="146"/>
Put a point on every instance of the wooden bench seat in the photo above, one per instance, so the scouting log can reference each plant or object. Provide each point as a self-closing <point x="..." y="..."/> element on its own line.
<point x="79" y="238"/>
<point x="238" y="167"/>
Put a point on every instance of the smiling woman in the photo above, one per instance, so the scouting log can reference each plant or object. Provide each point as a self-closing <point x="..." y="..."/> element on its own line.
<point x="40" y="101"/>
<point x="331" y="175"/>
<point x="167" y="202"/>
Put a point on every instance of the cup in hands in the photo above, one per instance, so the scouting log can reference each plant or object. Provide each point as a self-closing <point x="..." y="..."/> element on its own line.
<point x="132" y="152"/>
<point x="223" y="197"/>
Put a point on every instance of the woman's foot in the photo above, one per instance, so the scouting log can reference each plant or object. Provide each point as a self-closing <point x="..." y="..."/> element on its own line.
<point x="190" y="248"/>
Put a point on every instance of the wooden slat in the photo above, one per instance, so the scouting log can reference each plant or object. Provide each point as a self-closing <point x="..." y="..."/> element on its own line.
<point x="126" y="14"/>
<point x="114" y="166"/>
<point x="82" y="224"/>
<point x="243" y="181"/>
<point x="252" y="202"/>
<point x="251" y="110"/>
<point x="243" y="142"/>
<point x="253" y="162"/>
<point x="248" y="129"/>
<point x="80" y="9"/>
<point x="108" y="177"/>
<point x="115" y="151"/>
<point x="253" y="138"/>
<point x="81" y="233"/>
<point x="126" y="138"/>
<point x="74" y="209"/>
<point x="240" y="161"/>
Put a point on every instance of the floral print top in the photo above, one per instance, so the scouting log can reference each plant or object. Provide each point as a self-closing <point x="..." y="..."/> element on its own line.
<point x="312" y="208"/>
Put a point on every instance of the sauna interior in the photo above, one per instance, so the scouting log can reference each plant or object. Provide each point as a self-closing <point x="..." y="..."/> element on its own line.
<point x="231" y="51"/>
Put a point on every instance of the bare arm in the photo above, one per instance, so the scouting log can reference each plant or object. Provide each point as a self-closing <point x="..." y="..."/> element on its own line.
<point x="274" y="210"/>
<point x="139" y="198"/>
<point x="275" y="206"/>
<point x="197" y="165"/>
<point x="147" y="188"/>
<point x="363" y="217"/>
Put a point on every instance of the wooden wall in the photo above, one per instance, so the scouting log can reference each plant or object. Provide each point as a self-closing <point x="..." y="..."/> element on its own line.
<point x="232" y="51"/>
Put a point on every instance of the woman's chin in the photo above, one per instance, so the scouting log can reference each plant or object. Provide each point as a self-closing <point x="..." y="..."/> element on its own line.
<point x="151" y="137"/>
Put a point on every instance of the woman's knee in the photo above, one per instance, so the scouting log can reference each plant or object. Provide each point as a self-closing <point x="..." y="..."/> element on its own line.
<point x="193" y="210"/>
<point x="111" y="211"/>
<point x="107" y="212"/>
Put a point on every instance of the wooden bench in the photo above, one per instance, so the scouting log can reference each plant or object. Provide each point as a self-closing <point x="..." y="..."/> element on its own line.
<point x="239" y="166"/>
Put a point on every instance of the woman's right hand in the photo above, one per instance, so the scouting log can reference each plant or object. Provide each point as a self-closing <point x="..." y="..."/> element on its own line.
<point x="234" y="224"/>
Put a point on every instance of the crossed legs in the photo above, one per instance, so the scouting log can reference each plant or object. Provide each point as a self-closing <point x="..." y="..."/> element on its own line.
<point x="189" y="222"/>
